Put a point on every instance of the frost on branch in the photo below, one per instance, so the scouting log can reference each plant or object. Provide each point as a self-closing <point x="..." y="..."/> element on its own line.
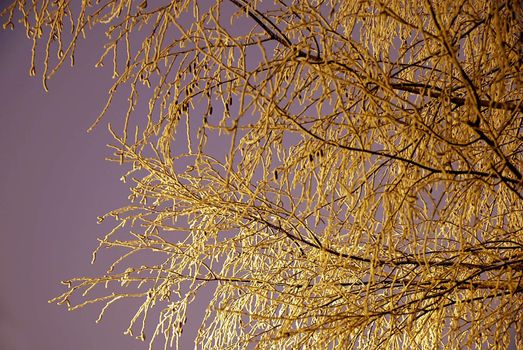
<point x="342" y="174"/>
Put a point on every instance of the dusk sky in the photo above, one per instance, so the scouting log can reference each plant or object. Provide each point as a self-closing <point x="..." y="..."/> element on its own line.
<point x="54" y="182"/>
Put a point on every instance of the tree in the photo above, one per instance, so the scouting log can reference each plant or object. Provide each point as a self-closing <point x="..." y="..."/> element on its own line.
<point x="371" y="192"/>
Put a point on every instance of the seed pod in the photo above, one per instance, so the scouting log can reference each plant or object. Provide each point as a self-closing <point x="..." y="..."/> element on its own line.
<point x="143" y="5"/>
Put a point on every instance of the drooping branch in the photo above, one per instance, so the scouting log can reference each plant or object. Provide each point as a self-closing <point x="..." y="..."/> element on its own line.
<point x="433" y="92"/>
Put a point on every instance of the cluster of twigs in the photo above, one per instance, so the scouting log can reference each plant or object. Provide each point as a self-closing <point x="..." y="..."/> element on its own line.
<point x="370" y="194"/>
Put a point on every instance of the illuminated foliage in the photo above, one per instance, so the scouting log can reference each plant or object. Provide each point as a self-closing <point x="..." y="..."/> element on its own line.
<point x="341" y="174"/>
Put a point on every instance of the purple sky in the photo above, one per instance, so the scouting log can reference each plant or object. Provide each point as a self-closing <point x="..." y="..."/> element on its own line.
<point x="54" y="182"/>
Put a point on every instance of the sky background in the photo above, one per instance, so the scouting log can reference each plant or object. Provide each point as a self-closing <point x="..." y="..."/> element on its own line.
<point x="54" y="182"/>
